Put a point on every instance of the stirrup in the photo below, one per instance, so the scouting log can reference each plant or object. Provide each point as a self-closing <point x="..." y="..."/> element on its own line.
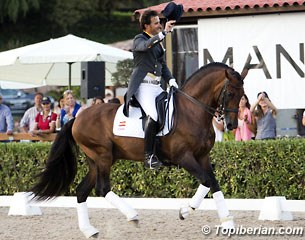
<point x="152" y="162"/>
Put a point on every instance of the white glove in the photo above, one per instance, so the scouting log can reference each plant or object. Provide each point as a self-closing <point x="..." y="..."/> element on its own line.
<point x="172" y="82"/>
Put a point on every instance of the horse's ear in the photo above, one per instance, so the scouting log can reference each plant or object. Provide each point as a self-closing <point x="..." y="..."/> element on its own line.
<point x="244" y="73"/>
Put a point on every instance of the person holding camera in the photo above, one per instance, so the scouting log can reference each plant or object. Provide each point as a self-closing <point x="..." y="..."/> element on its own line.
<point x="246" y="128"/>
<point x="265" y="113"/>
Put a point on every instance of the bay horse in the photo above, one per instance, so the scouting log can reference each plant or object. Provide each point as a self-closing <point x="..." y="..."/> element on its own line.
<point x="214" y="87"/>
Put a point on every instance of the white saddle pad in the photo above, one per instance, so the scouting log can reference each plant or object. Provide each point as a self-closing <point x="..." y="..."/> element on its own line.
<point x="132" y="126"/>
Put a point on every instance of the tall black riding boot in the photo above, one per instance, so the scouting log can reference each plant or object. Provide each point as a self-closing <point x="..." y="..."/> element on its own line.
<point x="150" y="129"/>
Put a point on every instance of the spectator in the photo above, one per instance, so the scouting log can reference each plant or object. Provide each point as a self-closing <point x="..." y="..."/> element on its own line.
<point x="45" y="120"/>
<point x="6" y="119"/>
<point x="93" y="101"/>
<point x="83" y="106"/>
<point x="218" y="126"/>
<point x="60" y="105"/>
<point x="265" y="113"/>
<point x="108" y="95"/>
<point x="114" y="100"/>
<point x="57" y="110"/>
<point x="27" y="122"/>
<point x="71" y="108"/>
<point x="17" y="125"/>
<point x="246" y="122"/>
<point x="303" y="119"/>
<point x="97" y="100"/>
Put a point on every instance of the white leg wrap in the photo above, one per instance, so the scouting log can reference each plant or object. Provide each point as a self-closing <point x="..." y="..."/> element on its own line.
<point x="223" y="212"/>
<point x="200" y="194"/>
<point x="83" y="220"/>
<point x="124" y="208"/>
<point x="186" y="210"/>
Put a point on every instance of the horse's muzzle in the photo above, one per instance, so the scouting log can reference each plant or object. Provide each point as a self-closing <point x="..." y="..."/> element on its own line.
<point x="231" y="124"/>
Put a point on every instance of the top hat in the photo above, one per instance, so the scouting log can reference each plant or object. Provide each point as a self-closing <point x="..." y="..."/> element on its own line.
<point x="172" y="11"/>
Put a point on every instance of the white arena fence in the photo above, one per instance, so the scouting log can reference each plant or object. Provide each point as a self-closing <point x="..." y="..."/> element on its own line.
<point x="271" y="208"/>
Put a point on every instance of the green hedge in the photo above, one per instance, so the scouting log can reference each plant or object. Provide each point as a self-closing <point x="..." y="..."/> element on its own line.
<point x="252" y="169"/>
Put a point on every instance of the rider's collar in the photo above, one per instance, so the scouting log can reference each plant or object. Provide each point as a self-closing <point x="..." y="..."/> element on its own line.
<point x="147" y="34"/>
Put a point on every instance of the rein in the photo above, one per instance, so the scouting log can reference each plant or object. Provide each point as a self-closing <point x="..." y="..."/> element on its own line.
<point x="221" y="109"/>
<point x="202" y="105"/>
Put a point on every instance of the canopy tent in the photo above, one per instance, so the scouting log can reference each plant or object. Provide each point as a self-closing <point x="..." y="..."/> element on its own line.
<point x="57" y="61"/>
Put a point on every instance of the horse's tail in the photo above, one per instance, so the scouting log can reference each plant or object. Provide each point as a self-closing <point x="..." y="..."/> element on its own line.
<point x="61" y="166"/>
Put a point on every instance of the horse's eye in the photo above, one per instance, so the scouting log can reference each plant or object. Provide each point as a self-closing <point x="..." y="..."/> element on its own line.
<point x="230" y="95"/>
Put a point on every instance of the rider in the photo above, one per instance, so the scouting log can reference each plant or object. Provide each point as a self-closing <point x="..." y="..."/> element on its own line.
<point x="150" y="70"/>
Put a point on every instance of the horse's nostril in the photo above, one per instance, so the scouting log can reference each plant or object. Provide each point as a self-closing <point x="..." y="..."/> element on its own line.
<point x="229" y="126"/>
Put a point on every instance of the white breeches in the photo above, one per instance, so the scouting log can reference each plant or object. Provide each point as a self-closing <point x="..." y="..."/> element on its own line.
<point x="146" y="96"/>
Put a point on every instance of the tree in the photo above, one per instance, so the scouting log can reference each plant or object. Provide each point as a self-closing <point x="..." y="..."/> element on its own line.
<point x="14" y="9"/>
<point x="122" y="76"/>
<point x="66" y="14"/>
<point x="25" y="22"/>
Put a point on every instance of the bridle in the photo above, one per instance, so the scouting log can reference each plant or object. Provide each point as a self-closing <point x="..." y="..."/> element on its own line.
<point x="221" y="109"/>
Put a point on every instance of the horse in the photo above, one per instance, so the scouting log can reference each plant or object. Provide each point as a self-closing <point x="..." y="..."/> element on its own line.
<point x="215" y="87"/>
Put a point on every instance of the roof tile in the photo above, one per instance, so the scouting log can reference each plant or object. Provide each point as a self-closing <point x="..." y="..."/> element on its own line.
<point x="204" y="5"/>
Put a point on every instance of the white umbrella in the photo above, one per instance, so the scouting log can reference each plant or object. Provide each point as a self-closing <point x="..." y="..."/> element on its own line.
<point x="49" y="62"/>
<point x="17" y="85"/>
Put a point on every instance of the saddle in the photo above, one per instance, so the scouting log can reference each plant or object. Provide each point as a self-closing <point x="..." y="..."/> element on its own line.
<point x="133" y="126"/>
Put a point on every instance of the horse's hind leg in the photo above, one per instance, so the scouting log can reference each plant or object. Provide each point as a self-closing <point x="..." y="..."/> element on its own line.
<point x="124" y="207"/>
<point x="83" y="190"/>
<point x="103" y="189"/>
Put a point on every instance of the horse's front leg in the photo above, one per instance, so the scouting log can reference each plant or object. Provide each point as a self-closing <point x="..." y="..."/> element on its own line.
<point x="223" y="212"/>
<point x="208" y="180"/>
<point x="189" y="163"/>
<point x="195" y="202"/>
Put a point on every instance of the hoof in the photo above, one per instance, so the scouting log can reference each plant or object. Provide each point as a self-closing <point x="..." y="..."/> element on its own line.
<point x="94" y="235"/>
<point x="90" y="232"/>
<point x="184" y="212"/>
<point x="134" y="217"/>
<point x="135" y="222"/>
<point x="227" y="223"/>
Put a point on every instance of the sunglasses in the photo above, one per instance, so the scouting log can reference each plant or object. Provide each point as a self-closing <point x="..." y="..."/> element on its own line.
<point x="45" y="103"/>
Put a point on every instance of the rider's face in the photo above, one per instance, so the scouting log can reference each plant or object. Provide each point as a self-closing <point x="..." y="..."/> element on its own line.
<point x="154" y="27"/>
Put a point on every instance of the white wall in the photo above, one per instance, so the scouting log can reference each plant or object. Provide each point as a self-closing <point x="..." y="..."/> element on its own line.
<point x="259" y="35"/>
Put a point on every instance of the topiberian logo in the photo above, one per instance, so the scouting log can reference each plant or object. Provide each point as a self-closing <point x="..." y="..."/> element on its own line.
<point x="255" y="231"/>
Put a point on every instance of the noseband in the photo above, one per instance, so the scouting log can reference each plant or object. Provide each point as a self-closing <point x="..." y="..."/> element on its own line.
<point x="221" y="100"/>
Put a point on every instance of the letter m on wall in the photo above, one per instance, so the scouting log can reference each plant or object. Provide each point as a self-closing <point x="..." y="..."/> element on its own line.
<point x="207" y="57"/>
